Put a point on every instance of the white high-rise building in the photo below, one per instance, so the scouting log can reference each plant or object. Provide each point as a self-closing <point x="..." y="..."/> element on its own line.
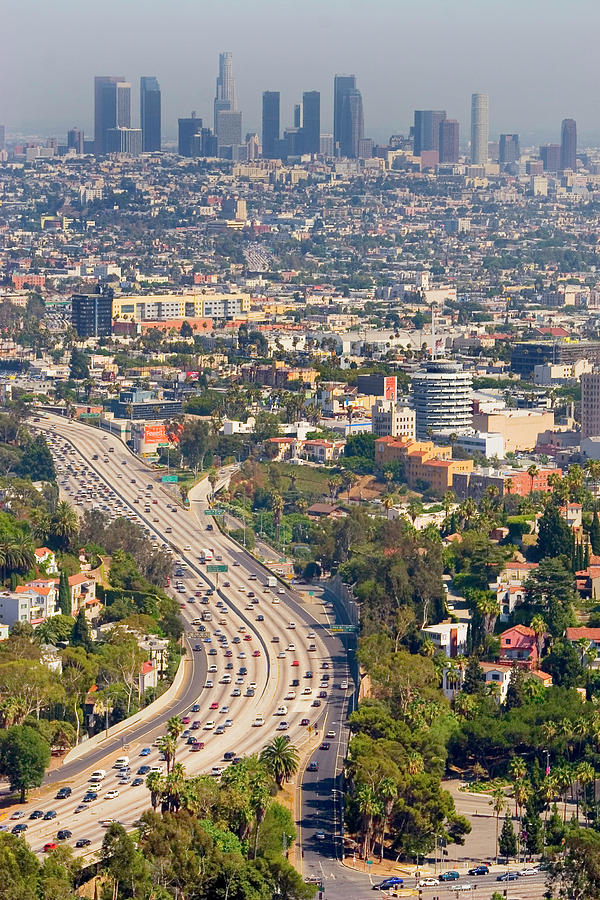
<point x="480" y="129"/>
<point x="442" y="397"/>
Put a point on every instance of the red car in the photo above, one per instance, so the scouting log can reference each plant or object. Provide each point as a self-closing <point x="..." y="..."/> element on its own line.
<point x="51" y="845"/>
<point x="304" y="722"/>
<point x="295" y="663"/>
<point x="186" y="720"/>
<point x="256" y="653"/>
<point x="182" y="606"/>
<point x="214" y="705"/>
<point x="247" y="637"/>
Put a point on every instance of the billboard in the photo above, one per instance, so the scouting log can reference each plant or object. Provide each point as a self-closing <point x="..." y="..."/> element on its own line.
<point x="390" y="382"/>
<point x="155" y="434"/>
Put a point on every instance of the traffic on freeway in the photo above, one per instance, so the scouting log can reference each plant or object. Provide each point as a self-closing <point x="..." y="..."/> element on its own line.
<point x="259" y="662"/>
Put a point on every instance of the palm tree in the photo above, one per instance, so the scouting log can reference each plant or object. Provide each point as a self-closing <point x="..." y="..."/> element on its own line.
<point x="414" y="509"/>
<point x="280" y="759"/>
<point x="563" y="779"/>
<point x="368" y="807"/>
<point x="65" y="524"/>
<point x="489" y="610"/>
<point x="498" y="803"/>
<point x="592" y="470"/>
<point x="448" y="500"/>
<point x="175" y="727"/>
<point x="156" y="784"/>
<point x="387" y="501"/>
<point x="539" y="626"/>
<point x="532" y="471"/>
<point x="175" y="786"/>
<point x="212" y="480"/>
<point x="277" y="507"/>
<point x="334" y="483"/>
<point x="167" y="744"/>
<point x="386" y="793"/>
<point x="585" y="774"/>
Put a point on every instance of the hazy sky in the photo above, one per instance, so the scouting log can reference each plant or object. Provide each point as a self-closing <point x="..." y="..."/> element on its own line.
<point x="537" y="59"/>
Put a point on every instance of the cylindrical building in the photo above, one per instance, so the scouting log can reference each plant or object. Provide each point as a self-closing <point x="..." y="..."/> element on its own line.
<point x="442" y="398"/>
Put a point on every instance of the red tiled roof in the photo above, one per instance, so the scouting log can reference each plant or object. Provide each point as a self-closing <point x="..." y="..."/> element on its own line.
<point x="590" y="634"/>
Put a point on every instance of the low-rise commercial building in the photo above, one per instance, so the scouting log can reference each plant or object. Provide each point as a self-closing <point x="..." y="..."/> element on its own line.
<point x="520" y="428"/>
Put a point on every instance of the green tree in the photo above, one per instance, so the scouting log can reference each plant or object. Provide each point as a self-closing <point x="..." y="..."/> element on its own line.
<point x="549" y="591"/>
<point x="574" y="873"/>
<point x="24" y="758"/>
<point x="280" y="759"/>
<point x="474" y="677"/>
<point x="515" y="693"/>
<point x="79" y="366"/>
<point x="64" y="595"/>
<point x="37" y="462"/>
<point x="507" y="843"/>
<point x="595" y="533"/>
<point x="81" y="636"/>
<point x="555" y="538"/>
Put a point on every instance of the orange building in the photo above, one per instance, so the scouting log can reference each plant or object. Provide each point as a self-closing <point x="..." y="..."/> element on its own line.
<point x="423" y="461"/>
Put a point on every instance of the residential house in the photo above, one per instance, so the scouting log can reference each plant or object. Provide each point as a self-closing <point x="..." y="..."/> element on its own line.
<point x="587" y="582"/>
<point x="148" y="676"/>
<point x="324" y="451"/>
<point x="46" y="560"/>
<point x="448" y="637"/>
<point x="519" y="644"/>
<point x="509" y="587"/>
<point x="587" y="641"/>
<point x="325" y="511"/>
<point x="496" y="673"/>
<point x="83" y="594"/>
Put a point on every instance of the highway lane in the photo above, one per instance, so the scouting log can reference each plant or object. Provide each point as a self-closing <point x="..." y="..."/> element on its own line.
<point x="185" y="532"/>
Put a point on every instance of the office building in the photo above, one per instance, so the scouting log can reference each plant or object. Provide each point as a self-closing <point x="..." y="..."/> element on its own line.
<point x="112" y="108"/>
<point x="229" y="133"/>
<point x="138" y="404"/>
<point x="293" y="142"/>
<point x="389" y="417"/>
<point x="91" y="314"/>
<point x="187" y="130"/>
<point x="590" y="404"/>
<point x="150" y="113"/>
<point x="442" y="398"/>
<point x="449" y="131"/>
<point x="225" y="99"/>
<point x="426" y="129"/>
<point x="298" y="115"/>
<point x="326" y="145"/>
<point x="352" y="124"/>
<point x="75" y="140"/>
<point x="550" y="156"/>
<point x="479" y="129"/>
<point x="311" y="121"/>
<point x="2" y="137"/>
<point x="270" y="124"/>
<point x="509" y="150"/>
<point x="124" y="140"/>
<point x="568" y="145"/>
<point x="341" y="85"/>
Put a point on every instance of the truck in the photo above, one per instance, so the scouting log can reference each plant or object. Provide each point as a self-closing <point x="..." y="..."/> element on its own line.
<point x="272" y="581"/>
<point x="207" y="616"/>
<point x="206" y="555"/>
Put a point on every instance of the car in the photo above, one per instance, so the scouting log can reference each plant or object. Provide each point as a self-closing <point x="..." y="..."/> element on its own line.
<point x="451" y="875"/>
<point x="236" y="692"/>
<point x="224" y="709"/>
<point x="209" y="725"/>
<point x="258" y="722"/>
<point x="308" y="674"/>
<point x="83" y="842"/>
<point x="428" y="882"/>
<point x="325" y="745"/>
<point x="507" y="876"/>
<point x="344" y="685"/>
<point x="291" y="625"/>
<point x="186" y="720"/>
<point x="323" y="695"/>
<point x="282" y="726"/>
<point x="306" y="692"/>
<point x="145" y="751"/>
<point x="465" y="886"/>
<point x="531" y="870"/>
<point x="316" y="702"/>
<point x="63" y="793"/>
<point x="64" y="834"/>
<point x="209" y="684"/>
<point x="260" y="618"/>
<point x="295" y="682"/>
<point x="229" y="754"/>
<point x="313" y="766"/>
<point x="51" y="814"/>
<point x="143" y="770"/>
<point x="196" y="708"/>
<point x="50" y="845"/>
<point x="18" y="814"/>
<point x="228" y="723"/>
<point x="219" y="729"/>
<point x="320" y="835"/>
<point x="387" y="883"/>
<point x="112" y="794"/>
<point x="37" y="814"/>
<point x="214" y="705"/>
<point x="137" y="782"/>
<point x="480" y="869"/>
<point x="295" y="663"/>
<point x="21" y="828"/>
<point x="90" y="796"/>
<point x="304" y="722"/>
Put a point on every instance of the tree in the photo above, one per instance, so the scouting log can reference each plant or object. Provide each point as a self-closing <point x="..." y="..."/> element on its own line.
<point x="280" y="759"/>
<point x="498" y="804"/>
<point x="507" y="844"/>
<point x="194" y="443"/>
<point x="124" y="863"/>
<point x="533" y="828"/>
<point x="81" y="636"/>
<point x="64" y="595"/>
<point x="37" y="462"/>
<point x="515" y="692"/>
<point x="555" y="538"/>
<point x="595" y="533"/>
<point x="574" y="873"/>
<point x="64" y="525"/>
<point x="78" y="674"/>
<point x="79" y="366"/>
<point x="474" y="677"/>
<point x="24" y="758"/>
<point x="549" y="590"/>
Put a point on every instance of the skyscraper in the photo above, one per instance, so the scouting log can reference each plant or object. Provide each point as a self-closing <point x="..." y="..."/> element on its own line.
<point x="75" y="140"/>
<point x="442" y="398"/>
<point x="509" y="150"/>
<point x="270" y="124"/>
<point x="341" y="85"/>
<point x="229" y="133"/>
<point x="91" y="314"/>
<point x="124" y="140"/>
<point x="112" y="108"/>
<point x="568" y="145"/>
<point x="479" y="129"/>
<point x="150" y="113"/>
<point x="352" y="123"/>
<point x="225" y="98"/>
<point x="550" y="156"/>
<point x="188" y="129"/>
<point x="448" y="140"/>
<point x="2" y="137"/>
<point x="298" y="115"/>
<point x="427" y="129"/>
<point x="311" y="121"/>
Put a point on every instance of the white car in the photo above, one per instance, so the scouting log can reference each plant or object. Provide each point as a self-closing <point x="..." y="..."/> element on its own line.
<point x="529" y="871"/>
<point x="344" y="685"/>
<point x="258" y="722"/>
<point x="282" y="726"/>
<point x="428" y="882"/>
<point x="467" y="886"/>
<point x="187" y="547"/>
<point x="281" y="711"/>
<point x="209" y="725"/>
<point x="112" y="795"/>
<point x="274" y="600"/>
<point x="209" y="684"/>
<point x="291" y="625"/>
<point x="306" y="692"/>
<point x="291" y="647"/>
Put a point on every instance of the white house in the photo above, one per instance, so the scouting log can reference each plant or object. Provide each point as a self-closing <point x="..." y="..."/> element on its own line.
<point x="448" y="637"/>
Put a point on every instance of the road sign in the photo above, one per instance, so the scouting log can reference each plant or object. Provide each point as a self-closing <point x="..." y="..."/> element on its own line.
<point x="169" y="477"/>
<point x="311" y="593"/>
<point x="214" y="512"/>
<point x="369" y="862"/>
<point x="344" y="629"/>
<point x="222" y="568"/>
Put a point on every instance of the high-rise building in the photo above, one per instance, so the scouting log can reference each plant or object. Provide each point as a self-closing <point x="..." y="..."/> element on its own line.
<point x="509" y="150"/>
<point x="327" y="146"/>
<point x="311" y="121"/>
<point x="225" y="96"/>
<point x="568" y="145"/>
<point x="298" y="115"/>
<point x="590" y="404"/>
<point x="112" y="107"/>
<point x="188" y="129"/>
<point x="150" y="113"/>
<point x="427" y="129"/>
<point x="270" y="124"/>
<point x="229" y="133"/>
<point x="479" y="129"/>
<point x="449" y="130"/>
<point x="124" y="140"/>
<point x="2" y="137"/>
<point x="393" y="418"/>
<point x="352" y="124"/>
<point x="91" y="314"/>
<point x="341" y="85"/>
<point x="550" y="156"/>
<point x="442" y="398"/>
<point x="75" y="140"/>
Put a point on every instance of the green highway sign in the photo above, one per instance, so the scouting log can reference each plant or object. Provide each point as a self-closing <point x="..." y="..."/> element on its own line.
<point x="311" y="593"/>
<point x="214" y="512"/>
<point x="344" y="629"/>
<point x="218" y="568"/>
<point x="169" y="477"/>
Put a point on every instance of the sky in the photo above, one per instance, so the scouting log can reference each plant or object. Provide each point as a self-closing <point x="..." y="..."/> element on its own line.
<point x="537" y="59"/>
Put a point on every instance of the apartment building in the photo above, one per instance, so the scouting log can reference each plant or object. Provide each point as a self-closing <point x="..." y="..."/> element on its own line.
<point x="389" y="417"/>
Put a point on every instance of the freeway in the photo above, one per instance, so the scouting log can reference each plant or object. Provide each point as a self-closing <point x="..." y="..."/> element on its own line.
<point x="274" y="651"/>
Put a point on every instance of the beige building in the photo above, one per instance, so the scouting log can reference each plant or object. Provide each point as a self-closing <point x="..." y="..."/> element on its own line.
<point x="391" y="418"/>
<point x="151" y="307"/>
<point x="520" y="428"/>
